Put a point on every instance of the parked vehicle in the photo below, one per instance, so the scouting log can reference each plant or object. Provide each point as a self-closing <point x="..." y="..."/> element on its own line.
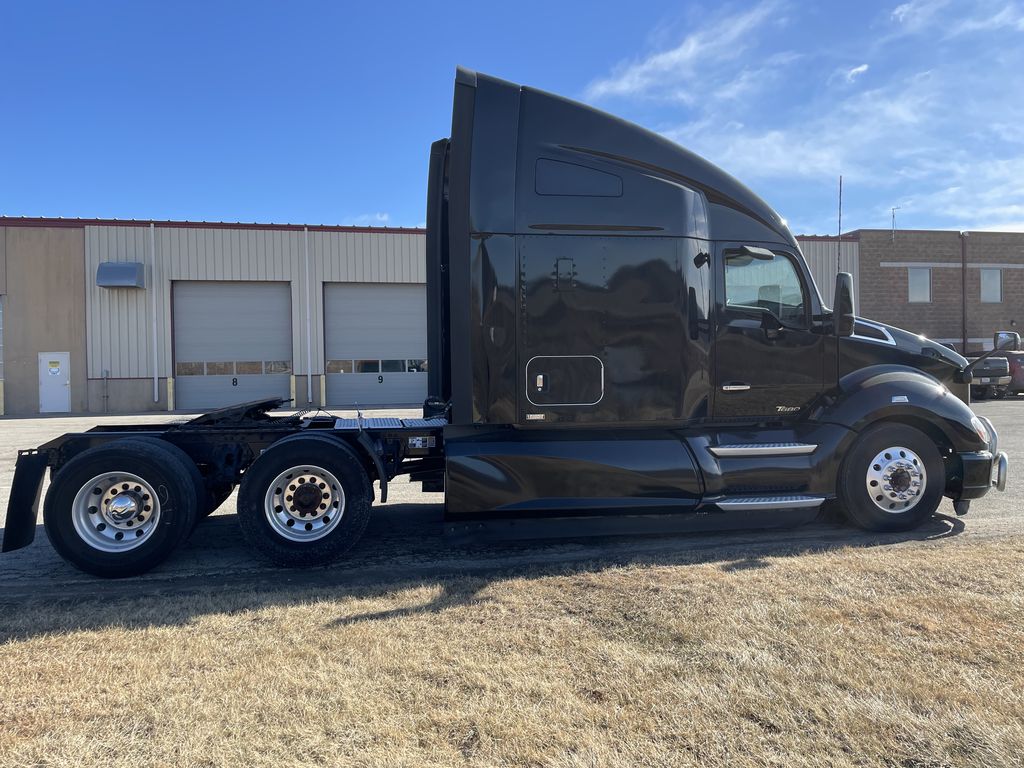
<point x="991" y="378"/>
<point x="616" y="328"/>
<point x="1009" y="345"/>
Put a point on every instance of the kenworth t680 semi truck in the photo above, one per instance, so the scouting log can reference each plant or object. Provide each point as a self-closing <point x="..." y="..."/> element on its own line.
<point x="616" y="327"/>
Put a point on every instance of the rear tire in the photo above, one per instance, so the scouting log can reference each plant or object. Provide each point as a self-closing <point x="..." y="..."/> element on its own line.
<point x="206" y="500"/>
<point x="120" y="509"/>
<point x="305" y="501"/>
<point x="892" y="479"/>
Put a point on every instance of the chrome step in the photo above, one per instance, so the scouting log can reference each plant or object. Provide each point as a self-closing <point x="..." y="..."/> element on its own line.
<point x="750" y="450"/>
<point x="787" y="501"/>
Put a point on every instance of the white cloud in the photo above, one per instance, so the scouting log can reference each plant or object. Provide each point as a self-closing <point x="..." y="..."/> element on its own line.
<point x="368" y="220"/>
<point x="1008" y="17"/>
<point x="867" y="137"/>
<point x="915" y="15"/>
<point x="681" y="73"/>
<point x="853" y="74"/>
<point x="939" y="131"/>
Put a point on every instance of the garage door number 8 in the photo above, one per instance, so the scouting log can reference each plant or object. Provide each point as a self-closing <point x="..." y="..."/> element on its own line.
<point x="234" y="382"/>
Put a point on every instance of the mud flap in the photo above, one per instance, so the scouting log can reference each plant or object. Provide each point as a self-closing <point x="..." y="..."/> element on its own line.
<point x="23" y="505"/>
<point x="367" y="444"/>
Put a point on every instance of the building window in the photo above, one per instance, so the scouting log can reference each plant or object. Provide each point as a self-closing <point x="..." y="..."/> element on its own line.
<point x="919" y="285"/>
<point x="991" y="286"/>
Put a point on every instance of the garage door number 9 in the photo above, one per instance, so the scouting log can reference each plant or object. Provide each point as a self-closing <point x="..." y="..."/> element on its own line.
<point x="380" y="379"/>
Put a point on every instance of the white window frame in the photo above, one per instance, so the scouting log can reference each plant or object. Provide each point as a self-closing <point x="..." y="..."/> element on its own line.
<point x="910" y="287"/>
<point x="999" y="285"/>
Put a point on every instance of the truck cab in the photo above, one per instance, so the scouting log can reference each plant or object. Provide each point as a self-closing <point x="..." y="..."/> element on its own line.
<point x="617" y="323"/>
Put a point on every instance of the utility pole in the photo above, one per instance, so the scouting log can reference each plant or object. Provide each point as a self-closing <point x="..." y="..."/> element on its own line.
<point x="839" y="239"/>
<point x="894" y="209"/>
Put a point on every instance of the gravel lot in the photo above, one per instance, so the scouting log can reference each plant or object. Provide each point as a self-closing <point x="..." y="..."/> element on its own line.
<point x="405" y="540"/>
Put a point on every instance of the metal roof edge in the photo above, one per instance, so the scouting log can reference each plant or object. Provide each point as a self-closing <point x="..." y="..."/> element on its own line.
<point x="43" y="221"/>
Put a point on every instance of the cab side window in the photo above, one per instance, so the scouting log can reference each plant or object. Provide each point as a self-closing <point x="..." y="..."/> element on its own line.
<point x="767" y="284"/>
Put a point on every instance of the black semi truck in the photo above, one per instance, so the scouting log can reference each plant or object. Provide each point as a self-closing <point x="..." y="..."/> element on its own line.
<point x="616" y="328"/>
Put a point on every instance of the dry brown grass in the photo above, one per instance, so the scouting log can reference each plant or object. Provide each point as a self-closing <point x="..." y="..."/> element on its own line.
<point x="906" y="656"/>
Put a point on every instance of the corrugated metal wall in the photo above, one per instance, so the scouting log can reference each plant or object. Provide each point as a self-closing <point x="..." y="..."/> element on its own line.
<point x="119" y="321"/>
<point x="821" y="258"/>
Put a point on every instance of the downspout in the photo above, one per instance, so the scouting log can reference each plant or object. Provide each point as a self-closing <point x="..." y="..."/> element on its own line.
<point x="153" y="290"/>
<point x="309" y="322"/>
<point x="963" y="291"/>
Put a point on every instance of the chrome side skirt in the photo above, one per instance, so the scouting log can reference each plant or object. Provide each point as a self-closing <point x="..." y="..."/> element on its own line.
<point x="751" y="450"/>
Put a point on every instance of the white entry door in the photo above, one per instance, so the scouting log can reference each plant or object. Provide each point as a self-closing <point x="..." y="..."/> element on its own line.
<point x="54" y="382"/>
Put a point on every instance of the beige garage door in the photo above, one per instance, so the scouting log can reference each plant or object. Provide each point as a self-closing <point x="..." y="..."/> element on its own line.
<point x="375" y="339"/>
<point x="232" y="342"/>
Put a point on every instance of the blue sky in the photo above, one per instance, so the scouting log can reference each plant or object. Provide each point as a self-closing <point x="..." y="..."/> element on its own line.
<point x="323" y="112"/>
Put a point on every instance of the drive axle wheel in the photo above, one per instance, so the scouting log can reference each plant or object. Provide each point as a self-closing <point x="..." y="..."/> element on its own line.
<point x="305" y="501"/>
<point x="892" y="479"/>
<point x="121" y="508"/>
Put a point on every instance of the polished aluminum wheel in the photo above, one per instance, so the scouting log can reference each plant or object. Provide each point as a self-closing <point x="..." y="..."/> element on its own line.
<point x="304" y="503"/>
<point x="115" y="512"/>
<point x="895" y="479"/>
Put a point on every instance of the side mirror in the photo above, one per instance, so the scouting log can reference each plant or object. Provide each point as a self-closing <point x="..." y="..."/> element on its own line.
<point x="842" y="305"/>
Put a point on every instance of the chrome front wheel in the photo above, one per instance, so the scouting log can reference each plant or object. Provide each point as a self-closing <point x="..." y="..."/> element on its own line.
<point x="895" y="479"/>
<point x="892" y="478"/>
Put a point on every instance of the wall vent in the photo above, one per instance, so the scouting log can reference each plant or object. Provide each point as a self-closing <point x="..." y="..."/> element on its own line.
<point x="121" y="274"/>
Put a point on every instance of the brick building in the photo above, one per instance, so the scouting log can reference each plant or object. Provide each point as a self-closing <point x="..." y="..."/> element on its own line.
<point x="954" y="287"/>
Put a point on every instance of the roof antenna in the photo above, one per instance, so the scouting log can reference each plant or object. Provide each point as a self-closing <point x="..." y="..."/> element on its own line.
<point x="839" y="240"/>
<point x="894" y="209"/>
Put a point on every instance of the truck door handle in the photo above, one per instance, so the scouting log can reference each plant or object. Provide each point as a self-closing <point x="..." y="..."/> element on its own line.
<point x="735" y="386"/>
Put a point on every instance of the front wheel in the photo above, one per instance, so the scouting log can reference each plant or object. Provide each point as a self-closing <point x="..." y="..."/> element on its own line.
<point x="305" y="501"/>
<point x="892" y="479"/>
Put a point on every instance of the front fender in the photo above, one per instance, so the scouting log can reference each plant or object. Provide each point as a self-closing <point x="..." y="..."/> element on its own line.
<point x="899" y="393"/>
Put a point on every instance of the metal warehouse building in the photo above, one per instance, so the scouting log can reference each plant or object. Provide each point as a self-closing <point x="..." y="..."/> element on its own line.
<point x="107" y="316"/>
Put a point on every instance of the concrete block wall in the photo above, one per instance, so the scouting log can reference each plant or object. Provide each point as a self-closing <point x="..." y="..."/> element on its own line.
<point x="884" y="262"/>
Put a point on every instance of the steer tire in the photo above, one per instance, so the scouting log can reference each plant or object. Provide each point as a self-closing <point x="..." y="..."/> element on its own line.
<point x="75" y="530"/>
<point x="276" y="480"/>
<point x="879" y="510"/>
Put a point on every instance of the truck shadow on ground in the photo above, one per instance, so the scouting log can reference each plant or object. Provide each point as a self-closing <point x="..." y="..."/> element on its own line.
<point x="404" y="547"/>
<point x="732" y="551"/>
